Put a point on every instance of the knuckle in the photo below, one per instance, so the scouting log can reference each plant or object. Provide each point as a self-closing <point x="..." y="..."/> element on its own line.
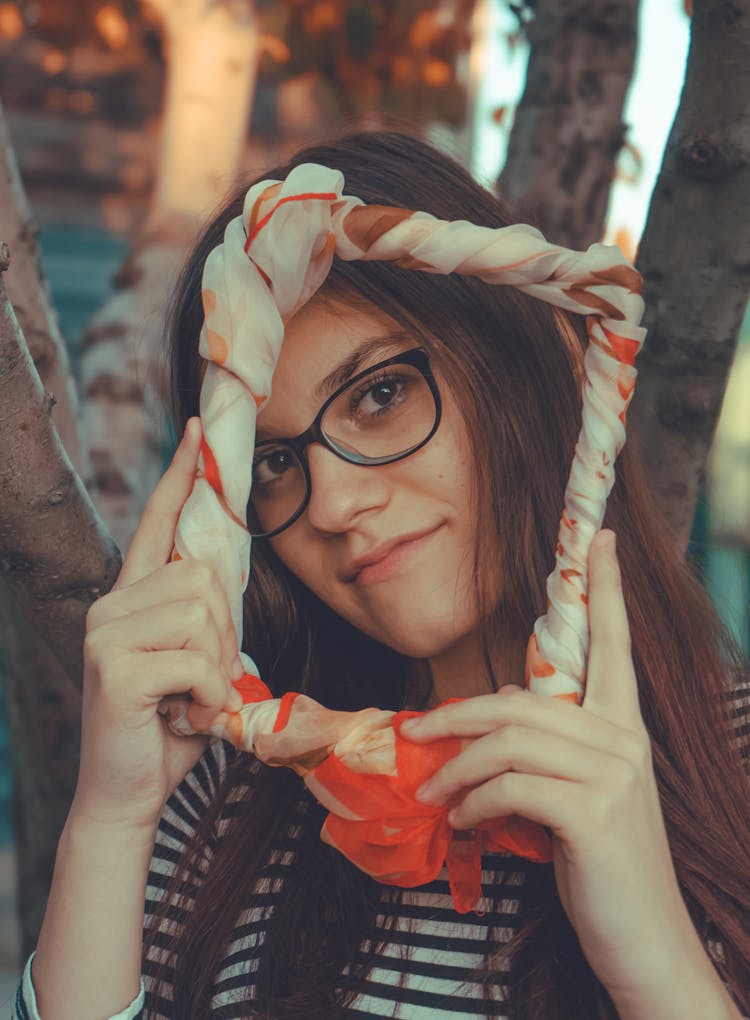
<point x="506" y="785"/>
<point x="202" y="574"/>
<point x="203" y="667"/>
<point x="624" y="776"/>
<point x="199" y="614"/>
<point x="602" y="804"/>
<point x="511" y="738"/>
<point x="637" y="750"/>
<point x="619" y="783"/>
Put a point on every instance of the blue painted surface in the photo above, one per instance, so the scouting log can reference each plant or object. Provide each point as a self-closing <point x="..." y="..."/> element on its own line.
<point x="80" y="265"/>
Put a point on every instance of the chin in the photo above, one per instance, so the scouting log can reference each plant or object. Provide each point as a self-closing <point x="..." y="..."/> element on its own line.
<point x="421" y="640"/>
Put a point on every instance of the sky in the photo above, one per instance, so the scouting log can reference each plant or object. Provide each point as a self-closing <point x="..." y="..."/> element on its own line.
<point x="651" y="103"/>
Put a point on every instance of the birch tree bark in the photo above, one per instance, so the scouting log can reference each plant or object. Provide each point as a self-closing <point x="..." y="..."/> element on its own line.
<point x="568" y="128"/>
<point x="695" y="259"/>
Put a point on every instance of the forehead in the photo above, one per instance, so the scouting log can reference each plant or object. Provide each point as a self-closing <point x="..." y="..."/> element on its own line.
<point x="320" y="342"/>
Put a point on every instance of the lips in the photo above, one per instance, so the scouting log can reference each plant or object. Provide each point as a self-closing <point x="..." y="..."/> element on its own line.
<point x="380" y="552"/>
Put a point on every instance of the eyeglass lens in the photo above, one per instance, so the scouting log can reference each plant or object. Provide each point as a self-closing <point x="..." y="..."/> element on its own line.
<point x="380" y="417"/>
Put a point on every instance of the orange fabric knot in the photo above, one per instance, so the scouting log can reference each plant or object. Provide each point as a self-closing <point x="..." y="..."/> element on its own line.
<point x="386" y="833"/>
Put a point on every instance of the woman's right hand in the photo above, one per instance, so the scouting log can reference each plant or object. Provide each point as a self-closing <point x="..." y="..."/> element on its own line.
<point x="165" y="628"/>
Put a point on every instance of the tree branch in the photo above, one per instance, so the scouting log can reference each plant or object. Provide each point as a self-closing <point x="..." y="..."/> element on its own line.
<point x="695" y="260"/>
<point x="568" y="127"/>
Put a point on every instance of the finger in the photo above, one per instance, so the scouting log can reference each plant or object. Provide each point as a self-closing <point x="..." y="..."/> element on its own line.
<point x="177" y="582"/>
<point x="154" y="537"/>
<point x="185" y="624"/>
<point x="475" y="717"/>
<point x="177" y="626"/>
<point x="182" y="671"/>
<point x="551" y="802"/>
<point x="514" y="749"/>
<point x="611" y="688"/>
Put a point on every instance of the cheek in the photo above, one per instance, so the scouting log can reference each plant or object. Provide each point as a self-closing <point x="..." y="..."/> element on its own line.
<point x="307" y="558"/>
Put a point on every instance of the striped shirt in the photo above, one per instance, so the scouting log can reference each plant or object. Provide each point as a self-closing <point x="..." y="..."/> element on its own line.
<point x="430" y="953"/>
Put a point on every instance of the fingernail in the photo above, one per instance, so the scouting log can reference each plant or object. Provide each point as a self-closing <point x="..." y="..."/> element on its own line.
<point x="238" y="670"/>
<point x="426" y="794"/>
<point x="409" y="726"/>
<point x="235" y="700"/>
<point x="452" y="815"/>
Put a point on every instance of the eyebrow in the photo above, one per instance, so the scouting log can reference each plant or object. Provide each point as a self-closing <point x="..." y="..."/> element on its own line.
<point x="386" y="343"/>
<point x="344" y="371"/>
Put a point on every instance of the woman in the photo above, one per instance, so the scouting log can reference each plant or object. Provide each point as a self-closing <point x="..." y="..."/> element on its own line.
<point x="642" y="911"/>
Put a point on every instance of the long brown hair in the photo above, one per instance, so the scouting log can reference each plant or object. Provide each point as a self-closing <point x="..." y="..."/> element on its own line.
<point x="515" y="363"/>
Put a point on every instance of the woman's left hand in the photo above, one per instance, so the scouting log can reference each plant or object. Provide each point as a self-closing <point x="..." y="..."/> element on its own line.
<point x="586" y="773"/>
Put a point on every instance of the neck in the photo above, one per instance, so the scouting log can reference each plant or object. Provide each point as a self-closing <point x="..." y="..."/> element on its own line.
<point x="461" y="672"/>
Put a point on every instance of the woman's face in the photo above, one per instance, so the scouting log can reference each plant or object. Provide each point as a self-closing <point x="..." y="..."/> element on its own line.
<point x="418" y="599"/>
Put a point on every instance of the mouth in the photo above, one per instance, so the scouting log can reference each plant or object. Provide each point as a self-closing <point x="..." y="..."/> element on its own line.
<point x="382" y="563"/>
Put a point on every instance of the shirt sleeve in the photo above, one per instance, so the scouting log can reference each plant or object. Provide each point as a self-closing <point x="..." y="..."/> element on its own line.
<point x="25" y="1007"/>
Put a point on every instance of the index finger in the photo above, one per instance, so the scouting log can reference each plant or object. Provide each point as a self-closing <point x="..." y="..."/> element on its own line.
<point x="611" y="687"/>
<point x="154" y="537"/>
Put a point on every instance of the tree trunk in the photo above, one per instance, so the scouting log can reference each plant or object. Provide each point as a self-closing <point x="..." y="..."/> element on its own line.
<point x="30" y="296"/>
<point x="695" y="260"/>
<point x="212" y="54"/>
<point x="44" y="710"/>
<point x="728" y="466"/>
<point x="54" y="550"/>
<point x="568" y="127"/>
<point x="56" y="558"/>
<point x="212" y="65"/>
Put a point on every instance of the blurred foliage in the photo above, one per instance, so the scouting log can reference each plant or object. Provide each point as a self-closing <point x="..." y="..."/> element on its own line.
<point x="101" y="24"/>
<point x="400" y="56"/>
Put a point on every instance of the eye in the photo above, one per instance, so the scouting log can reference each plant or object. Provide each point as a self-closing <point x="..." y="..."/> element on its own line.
<point x="271" y="465"/>
<point x="378" y="395"/>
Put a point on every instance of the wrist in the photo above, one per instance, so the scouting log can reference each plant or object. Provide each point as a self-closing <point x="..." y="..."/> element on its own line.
<point x="102" y="814"/>
<point x="693" y="989"/>
<point x="83" y="828"/>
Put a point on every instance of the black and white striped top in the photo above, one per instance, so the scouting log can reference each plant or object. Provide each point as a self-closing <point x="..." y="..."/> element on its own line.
<point x="444" y="947"/>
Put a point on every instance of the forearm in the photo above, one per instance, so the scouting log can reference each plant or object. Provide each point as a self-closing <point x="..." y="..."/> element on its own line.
<point x="88" y="959"/>
<point x="691" y="989"/>
<point x="708" y="1002"/>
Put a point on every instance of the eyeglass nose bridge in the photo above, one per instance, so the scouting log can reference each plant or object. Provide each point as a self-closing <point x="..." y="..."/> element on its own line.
<point x="313" y="434"/>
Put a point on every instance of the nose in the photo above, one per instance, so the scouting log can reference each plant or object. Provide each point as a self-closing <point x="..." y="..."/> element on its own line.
<point x="341" y="491"/>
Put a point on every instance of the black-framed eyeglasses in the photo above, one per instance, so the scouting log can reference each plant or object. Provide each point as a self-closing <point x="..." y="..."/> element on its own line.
<point x="381" y="415"/>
